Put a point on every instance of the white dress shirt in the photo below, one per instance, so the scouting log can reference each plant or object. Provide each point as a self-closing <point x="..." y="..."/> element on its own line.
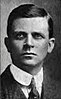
<point x="24" y="78"/>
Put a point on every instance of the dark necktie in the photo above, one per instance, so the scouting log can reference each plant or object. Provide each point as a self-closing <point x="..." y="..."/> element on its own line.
<point x="33" y="93"/>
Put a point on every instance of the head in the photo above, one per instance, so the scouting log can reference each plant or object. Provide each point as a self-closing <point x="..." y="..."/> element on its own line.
<point x="30" y="36"/>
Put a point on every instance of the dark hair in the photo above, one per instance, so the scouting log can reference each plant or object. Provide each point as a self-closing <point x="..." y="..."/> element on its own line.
<point x="28" y="11"/>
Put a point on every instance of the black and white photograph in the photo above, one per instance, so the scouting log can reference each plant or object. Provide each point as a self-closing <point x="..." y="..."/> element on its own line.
<point x="30" y="49"/>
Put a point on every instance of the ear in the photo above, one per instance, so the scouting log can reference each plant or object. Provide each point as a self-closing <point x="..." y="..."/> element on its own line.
<point x="51" y="45"/>
<point x="7" y="43"/>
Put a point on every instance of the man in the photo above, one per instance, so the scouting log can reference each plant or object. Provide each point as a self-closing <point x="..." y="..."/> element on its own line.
<point x="30" y="38"/>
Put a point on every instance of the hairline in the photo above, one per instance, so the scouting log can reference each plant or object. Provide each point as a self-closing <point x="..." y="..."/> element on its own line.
<point x="47" y="17"/>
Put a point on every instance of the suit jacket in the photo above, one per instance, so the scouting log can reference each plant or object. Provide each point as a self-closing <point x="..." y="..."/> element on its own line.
<point x="11" y="89"/>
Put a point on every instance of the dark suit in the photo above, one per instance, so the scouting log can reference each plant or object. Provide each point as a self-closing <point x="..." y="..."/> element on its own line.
<point x="10" y="89"/>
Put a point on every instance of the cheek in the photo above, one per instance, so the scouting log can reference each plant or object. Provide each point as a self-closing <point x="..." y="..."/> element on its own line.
<point x="16" y="46"/>
<point x="42" y="47"/>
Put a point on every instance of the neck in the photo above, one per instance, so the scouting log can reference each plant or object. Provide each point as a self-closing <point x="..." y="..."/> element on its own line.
<point x="33" y="70"/>
<point x="36" y="69"/>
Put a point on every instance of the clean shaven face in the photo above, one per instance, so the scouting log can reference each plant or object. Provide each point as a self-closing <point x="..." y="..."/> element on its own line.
<point x="29" y="41"/>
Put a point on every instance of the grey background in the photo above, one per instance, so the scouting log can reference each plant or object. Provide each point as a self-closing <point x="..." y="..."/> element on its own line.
<point x="53" y="61"/>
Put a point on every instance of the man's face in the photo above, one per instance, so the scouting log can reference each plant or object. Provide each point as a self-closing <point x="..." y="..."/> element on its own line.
<point x="29" y="41"/>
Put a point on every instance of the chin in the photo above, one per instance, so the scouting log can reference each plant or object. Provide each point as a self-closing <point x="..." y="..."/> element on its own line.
<point x="29" y="62"/>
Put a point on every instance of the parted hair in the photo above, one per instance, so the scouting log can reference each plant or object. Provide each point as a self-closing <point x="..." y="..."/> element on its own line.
<point x="28" y="11"/>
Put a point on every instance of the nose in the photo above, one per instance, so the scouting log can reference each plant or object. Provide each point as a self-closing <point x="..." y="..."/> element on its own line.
<point x="28" y="42"/>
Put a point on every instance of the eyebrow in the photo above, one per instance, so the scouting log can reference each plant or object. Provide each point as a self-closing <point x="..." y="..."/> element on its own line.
<point x="18" y="32"/>
<point x="24" y="32"/>
<point x="39" y="33"/>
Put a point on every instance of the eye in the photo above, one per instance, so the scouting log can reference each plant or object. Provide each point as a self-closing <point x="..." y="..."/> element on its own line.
<point x="20" y="35"/>
<point x="37" y="35"/>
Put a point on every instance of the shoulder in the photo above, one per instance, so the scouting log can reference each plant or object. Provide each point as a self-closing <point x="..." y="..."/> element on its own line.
<point x="9" y="87"/>
<point x="6" y="78"/>
<point x="52" y="87"/>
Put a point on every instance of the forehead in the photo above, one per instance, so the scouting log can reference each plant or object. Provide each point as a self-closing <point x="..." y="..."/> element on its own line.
<point x="38" y="24"/>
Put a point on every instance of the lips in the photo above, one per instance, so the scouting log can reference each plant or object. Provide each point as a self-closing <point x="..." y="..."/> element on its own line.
<point x="25" y="54"/>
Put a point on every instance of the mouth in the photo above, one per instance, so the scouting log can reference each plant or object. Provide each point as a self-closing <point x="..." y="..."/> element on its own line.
<point x="29" y="54"/>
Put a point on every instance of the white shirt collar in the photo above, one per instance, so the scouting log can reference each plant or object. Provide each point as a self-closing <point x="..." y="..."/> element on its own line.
<point x="24" y="78"/>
